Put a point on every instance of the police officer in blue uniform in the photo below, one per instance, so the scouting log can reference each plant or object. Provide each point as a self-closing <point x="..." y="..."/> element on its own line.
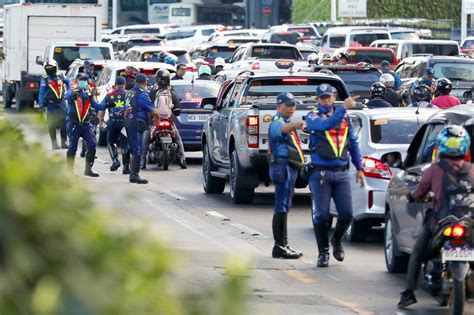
<point x="79" y="101"/>
<point x="286" y="157"/>
<point x="116" y="108"/>
<point x="137" y="107"/>
<point x="53" y="87"/>
<point x="427" y="79"/>
<point x="331" y="140"/>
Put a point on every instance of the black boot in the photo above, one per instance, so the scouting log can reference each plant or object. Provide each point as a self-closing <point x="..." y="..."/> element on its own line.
<point x="134" y="170"/>
<point x="63" y="133"/>
<point x="126" y="162"/>
<point x="182" y="163"/>
<point x="70" y="158"/>
<point x="143" y="162"/>
<point x="114" y="156"/>
<point x="285" y="236"/>
<point x="90" y="157"/>
<point x="279" y="249"/>
<point x="321" y="233"/>
<point x="336" y="240"/>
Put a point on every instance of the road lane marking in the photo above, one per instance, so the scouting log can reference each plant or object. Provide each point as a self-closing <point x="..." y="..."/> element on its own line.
<point x="248" y="230"/>
<point x="172" y="194"/>
<point x="353" y="307"/>
<point x="182" y="222"/>
<point x="217" y="215"/>
<point x="298" y="275"/>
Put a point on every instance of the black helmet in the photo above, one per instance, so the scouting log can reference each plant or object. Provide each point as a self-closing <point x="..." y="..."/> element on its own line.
<point x="422" y="93"/>
<point x="443" y="86"/>
<point x="343" y="55"/>
<point x="377" y="89"/>
<point x="163" y="77"/>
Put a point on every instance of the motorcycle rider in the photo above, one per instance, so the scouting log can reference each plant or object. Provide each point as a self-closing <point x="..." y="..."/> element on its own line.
<point x="53" y="87"/>
<point x="163" y="85"/>
<point x="116" y="102"/>
<point x="390" y="95"/>
<point x="326" y="59"/>
<point x="423" y="96"/>
<point x="385" y="68"/>
<point x="377" y="92"/>
<point x="131" y="73"/>
<point x="219" y="64"/>
<point x="313" y="60"/>
<point x="204" y="73"/>
<point x="426" y="79"/>
<point x="453" y="143"/>
<point x="444" y="98"/>
<point x="343" y="58"/>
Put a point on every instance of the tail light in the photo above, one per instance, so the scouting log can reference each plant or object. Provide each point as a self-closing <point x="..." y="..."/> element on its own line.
<point x="191" y="68"/>
<point x="164" y="124"/>
<point x="256" y="66"/>
<point x="31" y="85"/>
<point x="82" y="44"/>
<point x="456" y="233"/>
<point x="375" y="168"/>
<point x="252" y="131"/>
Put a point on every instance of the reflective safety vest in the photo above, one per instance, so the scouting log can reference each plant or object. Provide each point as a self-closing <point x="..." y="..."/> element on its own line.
<point x="56" y="86"/>
<point x="117" y="103"/>
<point x="82" y="110"/>
<point x="295" y="152"/>
<point x="334" y="143"/>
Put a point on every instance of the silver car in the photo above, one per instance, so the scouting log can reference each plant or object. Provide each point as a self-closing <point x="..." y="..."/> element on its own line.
<point x="379" y="131"/>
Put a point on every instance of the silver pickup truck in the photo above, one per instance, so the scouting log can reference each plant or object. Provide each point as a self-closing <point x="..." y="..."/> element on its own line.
<point x="235" y="136"/>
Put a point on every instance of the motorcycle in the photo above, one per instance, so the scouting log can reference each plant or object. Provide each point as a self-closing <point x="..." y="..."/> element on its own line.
<point x="163" y="149"/>
<point x="447" y="275"/>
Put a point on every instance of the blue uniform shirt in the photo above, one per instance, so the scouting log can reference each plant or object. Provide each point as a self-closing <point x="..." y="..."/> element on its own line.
<point x="316" y="123"/>
<point x="119" y="103"/>
<point x="72" y="114"/>
<point x="46" y="93"/>
<point x="277" y="139"/>
<point x="398" y="81"/>
<point x="139" y="102"/>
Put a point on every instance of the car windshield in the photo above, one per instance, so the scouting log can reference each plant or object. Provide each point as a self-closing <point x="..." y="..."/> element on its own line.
<point x="224" y="52"/>
<point x="394" y="130"/>
<point x="358" y="82"/>
<point x="405" y="35"/>
<point x="454" y="71"/>
<point x="197" y="91"/>
<point x="64" y="56"/>
<point x="142" y="42"/>
<point x="183" y="56"/>
<point x="142" y="31"/>
<point x="286" y="37"/>
<point x="366" y="39"/>
<point x="377" y="56"/>
<point x="435" y="49"/>
<point x="275" y="52"/>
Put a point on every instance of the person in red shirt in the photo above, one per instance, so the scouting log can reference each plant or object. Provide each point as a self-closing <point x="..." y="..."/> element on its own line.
<point x="355" y="42"/>
<point x="444" y="99"/>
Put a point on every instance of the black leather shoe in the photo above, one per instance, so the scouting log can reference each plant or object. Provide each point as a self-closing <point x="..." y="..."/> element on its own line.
<point x="183" y="164"/>
<point x="407" y="298"/>
<point x="323" y="258"/>
<point x="115" y="165"/>
<point x="297" y="252"/>
<point x="126" y="169"/>
<point x="90" y="173"/>
<point x="64" y="145"/>
<point x="283" y="252"/>
<point x="55" y="146"/>
<point x="137" y="179"/>
<point x="338" y="252"/>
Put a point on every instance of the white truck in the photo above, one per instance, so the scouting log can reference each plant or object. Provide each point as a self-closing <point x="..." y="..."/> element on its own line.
<point x="29" y="29"/>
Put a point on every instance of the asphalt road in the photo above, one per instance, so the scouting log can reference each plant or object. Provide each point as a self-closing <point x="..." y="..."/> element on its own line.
<point x="205" y="229"/>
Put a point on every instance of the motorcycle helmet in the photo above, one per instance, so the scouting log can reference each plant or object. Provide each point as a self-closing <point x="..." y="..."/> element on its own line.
<point x="162" y="77"/>
<point x="51" y="67"/>
<point x="422" y="93"/>
<point x="343" y="55"/>
<point x="453" y="141"/>
<point x="204" y="69"/>
<point x="131" y="71"/>
<point x="443" y="86"/>
<point x="219" y="62"/>
<point x="388" y="80"/>
<point x="377" y="90"/>
<point x="326" y="57"/>
<point x="313" y="58"/>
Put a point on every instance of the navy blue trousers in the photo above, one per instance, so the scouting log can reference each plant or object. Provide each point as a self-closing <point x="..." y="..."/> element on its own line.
<point x="284" y="178"/>
<point x="135" y="131"/>
<point x="76" y="131"/>
<point x="115" y="135"/>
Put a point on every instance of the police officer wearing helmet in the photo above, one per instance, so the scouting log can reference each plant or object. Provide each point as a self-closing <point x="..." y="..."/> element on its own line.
<point x="422" y="95"/>
<point x="137" y="107"/>
<point x="53" y="88"/>
<point x="426" y="79"/>
<point x="377" y="93"/>
<point x="332" y="139"/>
<point x="390" y="95"/>
<point x="286" y="156"/>
<point x="313" y="59"/>
<point x="80" y="101"/>
<point x="451" y="180"/>
<point x="116" y="108"/>
<point x="343" y="58"/>
<point x="444" y="99"/>
<point x="131" y="73"/>
<point x="219" y="64"/>
<point x="326" y="59"/>
<point x="163" y="87"/>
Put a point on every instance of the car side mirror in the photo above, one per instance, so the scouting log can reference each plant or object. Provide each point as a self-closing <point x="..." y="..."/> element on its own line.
<point x="209" y="103"/>
<point x="39" y="60"/>
<point x="392" y="159"/>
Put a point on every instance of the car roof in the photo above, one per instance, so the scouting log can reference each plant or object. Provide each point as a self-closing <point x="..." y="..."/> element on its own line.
<point x="118" y="64"/>
<point x="441" y="58"/>
<point x="158" y="48"/>
<point x="268" y="44"/>
<point x="347" y="29"/>
<point x="196" y="27"/>
<point x="273" y="74"/>
<point x="144" y="26"/>
<point x="73" y="44"/>
<point x="457" y="115"/>
<point x="396" y="112"/>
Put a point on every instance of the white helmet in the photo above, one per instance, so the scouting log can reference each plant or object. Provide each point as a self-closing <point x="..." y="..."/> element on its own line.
<point x="50" y="63"/>
<point x="387" y="79"/>
<point x="219" y="61"/>
<point x="313" y="57"/>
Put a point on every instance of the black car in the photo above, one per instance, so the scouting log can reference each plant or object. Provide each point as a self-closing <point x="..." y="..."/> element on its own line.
<point x="404" y="219"/>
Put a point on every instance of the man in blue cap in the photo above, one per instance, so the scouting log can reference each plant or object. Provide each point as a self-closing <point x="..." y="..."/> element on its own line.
<point x="385" y="68"/>
<point x="427" y="79"/>
<point x="332" y="139"/>
<point x="137" y="106"/>
<point x="116" y="101"/>
<point x="286" y="157"/>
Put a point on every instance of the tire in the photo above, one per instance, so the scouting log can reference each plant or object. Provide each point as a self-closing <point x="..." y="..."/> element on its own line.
<point x="458" y="296"/>
<point x="395" y="261"/>
<point x="165" y="156"/>
<point x="211" y="184"/>
<point x="357" y="231"/>
<point x="7" y="95"/>
<point x="237" y="194"/>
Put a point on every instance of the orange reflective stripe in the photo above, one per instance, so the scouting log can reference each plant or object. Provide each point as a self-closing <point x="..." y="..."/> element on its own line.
<point x="296" y="142"/>
<point x="81" y="112"/>
<point x="331" y="141"/>
<point x="56" y="88"/>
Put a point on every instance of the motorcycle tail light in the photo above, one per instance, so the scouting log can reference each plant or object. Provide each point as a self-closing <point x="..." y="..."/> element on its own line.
<point x="375" y="168"/>
<point x="447" y="231"/>
<point x="164" y="124"/>
<point x="458" y="231"/>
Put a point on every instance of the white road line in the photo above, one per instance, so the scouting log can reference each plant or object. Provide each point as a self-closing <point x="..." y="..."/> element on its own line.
<point x="217" y="215"/>
<point x="246" y="229"/>
<point x="183" y="223"/>
<point x="172" y="194"/>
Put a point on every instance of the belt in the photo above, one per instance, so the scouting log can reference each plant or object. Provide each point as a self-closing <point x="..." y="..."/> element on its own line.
<point x="331" y="169"/>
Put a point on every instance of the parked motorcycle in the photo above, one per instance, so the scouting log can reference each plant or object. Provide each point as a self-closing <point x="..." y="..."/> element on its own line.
<point x="447" y="274"/>
<point x="163" y="149"/>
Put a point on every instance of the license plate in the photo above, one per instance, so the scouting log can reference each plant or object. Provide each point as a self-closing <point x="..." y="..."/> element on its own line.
<point x="458" y="254"/>
<point x="197" y="117"/>
<point x="166" y="140"/>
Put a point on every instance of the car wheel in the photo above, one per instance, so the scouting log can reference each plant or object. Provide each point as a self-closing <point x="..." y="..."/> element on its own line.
<point x="395" y="261"/>
<point x="211" y="184"/>
<point x="238" y="194"/>
<point x="357" y="231"/>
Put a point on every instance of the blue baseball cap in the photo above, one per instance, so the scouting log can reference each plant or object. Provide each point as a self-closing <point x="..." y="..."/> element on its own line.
<point x="324" y="90"/>
<point x="141" y="78"/>
<point x="429" y="72"/>
<point x="120" y="80"/>
<point x="385" y="64"/>
<point x="286" y="98"/>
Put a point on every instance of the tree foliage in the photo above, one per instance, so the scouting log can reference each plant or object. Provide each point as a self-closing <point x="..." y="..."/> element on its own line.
<point x="60" y="255"/>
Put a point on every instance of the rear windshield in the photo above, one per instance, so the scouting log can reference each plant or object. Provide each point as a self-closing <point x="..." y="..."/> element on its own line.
<point x="454" y="71"/>
<point x="196" y="92"/>
<point x="180" y="35"/>
<point x="358" y="82"/>
<point x="376" y="56"/>
<point x="64" y="56"/>
<point x="368" y="38"/>
<point x="275" y="52"/>
<point x="142" y="31"/>
<point x="224" y="52"/>
<point x="287" y="37"/>
<point x="435" y="49"/>
<point x="141" y="42"/>
<point x="306" y="31"/>
<point x="394" y="130"/>
<point x="183" y="56"/>
<point x="405" y="35"/>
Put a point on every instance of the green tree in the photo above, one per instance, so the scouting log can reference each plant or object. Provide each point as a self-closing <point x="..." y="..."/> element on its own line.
<point x="304" y="11"/>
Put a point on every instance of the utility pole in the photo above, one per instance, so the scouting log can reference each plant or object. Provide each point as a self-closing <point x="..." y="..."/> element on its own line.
<point x="333" y="11"/>
<point x="114" y="14"/>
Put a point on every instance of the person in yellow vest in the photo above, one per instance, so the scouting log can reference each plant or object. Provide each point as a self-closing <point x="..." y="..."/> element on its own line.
<point x="53" y="88"/>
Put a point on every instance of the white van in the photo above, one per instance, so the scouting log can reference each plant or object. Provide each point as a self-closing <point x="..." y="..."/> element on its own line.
<point x="407" y="48"/>
<point x="190" y="36"/>
<point x="337" y="37"/>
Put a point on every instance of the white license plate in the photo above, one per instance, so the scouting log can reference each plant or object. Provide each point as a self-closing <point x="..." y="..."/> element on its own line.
<point x="166" y="140"/>
<point x="197" y="117"/>
<point x="458" y="254"/>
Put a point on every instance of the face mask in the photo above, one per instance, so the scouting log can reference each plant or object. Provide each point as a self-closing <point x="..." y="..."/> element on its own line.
<point x="50" y="71"/>
<point x="82" y="85"/>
